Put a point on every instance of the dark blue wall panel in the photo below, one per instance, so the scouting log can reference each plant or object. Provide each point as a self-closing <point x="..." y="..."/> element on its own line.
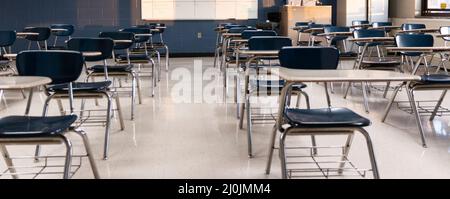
<point x="93" y="16"/>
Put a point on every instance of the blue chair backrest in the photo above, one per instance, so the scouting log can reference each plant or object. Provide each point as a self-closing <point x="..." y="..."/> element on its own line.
<point x="413" y="26"/>
<point x="368" y="33"/>
<point x="70" y="29"/>
<point x="247" y="34"/>
<point x="309" y="58"/>
<point x="103" y="45"/>
<point x="363" y="33"/>
<point x="138" y="39"/>
<point x="414" y="40"/>
<point x="268" y="43"/>
<point x="360" y="22"/>
<point x="119" y="36"/>
<point x="303" y="23"/>
<point x="445" y="30"/>
<point x="7" y="38"/>
<point x="60" y="66"/>
<point x="331" y="29"/>
<point x="381" y="24"/>
<point x="316" y="25"/>
<point x="44" y="33"/>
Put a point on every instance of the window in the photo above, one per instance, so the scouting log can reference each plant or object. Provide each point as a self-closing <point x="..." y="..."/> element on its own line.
<point x="435" y="7"/>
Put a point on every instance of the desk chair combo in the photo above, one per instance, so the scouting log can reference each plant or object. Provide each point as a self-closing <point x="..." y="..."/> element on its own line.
<point x="430" y="80"/>
<point x="386" y="26"/>
<point x="410" y="26"/>
<point x="313" y="34"/>
<point x="61" y="31"/>
<point x="366" y="61"/>
<point x="445" y="57"/>
<point x="7" y="39"/>
<point x="294" y="122"/>
<point x="158" y="29"/>
<point x="123" y="41"/>
<point x="263" y="87"/>
<point x="141" y="54"/>
<point x="229" y="46"/>
<point x="334" y="40"/>
<point x="27" y="130"/>
<point x="300" y="27"/>
<point x="42" y="35"/>
<point x="93" y="89"/>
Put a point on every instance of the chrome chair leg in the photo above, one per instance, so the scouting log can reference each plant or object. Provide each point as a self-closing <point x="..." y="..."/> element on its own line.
<point x="386" y="90"/>
<point x="215" y="57"/>
<point x="249" y="127"/>
<point x="366" y="99"/>
<point x="167" y="57"/>
<point x="89" y="153"/>
<point x="119" y="110"/>
<point x="347" y="90"/>
<point x="68" y="161"/>
<point x="417" y="115"/>
<point x="438" y="105"/>
<point x="133" y="95"/>
<point x="241" y="118"/>
<point x="237" y="94"/>
<point x="373" y="162"/>
<point x="153" y="78"/>
<point x="138" y="85"/>
<point x="108" y="126"/>
<point x="346" y="151"/>
<point x="328" y="95"/>
<point x="159" y="65"/>
<point x="37" y="151"/>
<point x="271" y="149"/>
<point x="282" y="151"/>
<point x="83" y="103"/>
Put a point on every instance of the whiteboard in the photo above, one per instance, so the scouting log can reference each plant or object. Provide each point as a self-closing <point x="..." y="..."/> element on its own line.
<point x="199" y="9"/>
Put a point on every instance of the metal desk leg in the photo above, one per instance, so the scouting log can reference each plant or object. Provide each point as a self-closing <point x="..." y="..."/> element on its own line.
<point x="438" y="105"/>
<point x="30" y="97"/>
<point x="365" y="97"/>
<point x="417" y="115"/>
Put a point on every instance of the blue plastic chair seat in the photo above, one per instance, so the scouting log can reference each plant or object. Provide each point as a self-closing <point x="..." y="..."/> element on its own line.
<point x="34" y="127"/>
<point x="436" y="79"/>
<point x="411" y="54"/>
<point x="118" y="68"/>
<point x="80" y="86"/>
<point x="325" y="118"/>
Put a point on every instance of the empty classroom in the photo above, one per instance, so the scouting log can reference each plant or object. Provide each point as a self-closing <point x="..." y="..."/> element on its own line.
<point x="229" y="89"/>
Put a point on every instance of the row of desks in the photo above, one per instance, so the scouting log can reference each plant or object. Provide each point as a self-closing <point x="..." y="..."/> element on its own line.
<point x="295" y="76"/>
